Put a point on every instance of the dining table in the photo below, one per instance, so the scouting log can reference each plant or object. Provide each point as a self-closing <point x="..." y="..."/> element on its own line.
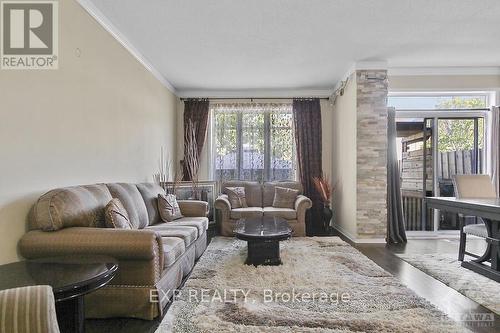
<point x="488" y="264"/>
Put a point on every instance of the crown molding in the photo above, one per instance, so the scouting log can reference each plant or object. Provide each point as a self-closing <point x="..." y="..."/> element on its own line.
<point x="113" y="30"/>
<point x="255" y="93"/>
<point x="429" y="71"/>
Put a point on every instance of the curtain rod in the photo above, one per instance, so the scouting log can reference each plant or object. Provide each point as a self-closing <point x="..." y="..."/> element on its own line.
<point x="252" y="98"/>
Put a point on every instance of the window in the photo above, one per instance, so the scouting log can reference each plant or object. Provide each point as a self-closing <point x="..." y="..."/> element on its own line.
<point x="254" y="141"/>
<point x="439" y="100"/>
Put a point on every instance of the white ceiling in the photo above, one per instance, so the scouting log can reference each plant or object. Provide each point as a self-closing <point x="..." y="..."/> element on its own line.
<point x="209" y="47"/>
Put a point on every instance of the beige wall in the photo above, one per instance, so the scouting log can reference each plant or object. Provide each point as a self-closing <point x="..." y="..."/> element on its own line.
<point x="444" y="82"/>
<point x="206" y="155"/>
<point x="344" y="165"/>
<point x="100" y="117"/>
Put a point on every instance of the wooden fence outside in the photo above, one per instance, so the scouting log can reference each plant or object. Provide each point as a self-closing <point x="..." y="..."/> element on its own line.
<point x="411" y="171"/>
<point x="460" y="162"/>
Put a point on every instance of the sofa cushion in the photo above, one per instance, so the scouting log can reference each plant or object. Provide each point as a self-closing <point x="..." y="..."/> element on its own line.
<point x="201" y="223"/>
<point x="284" y="197"/>
<point x="168" y="207"/>
<point x="236" y="196"/>
<point x="132" y="200"/>
<point x="269" y="188"/>
<point x="116" y="216"/>
<point x="239" y="213"/>
<point x="173" y="248"/>
<point x="253" y="191"/>
<point x="149" y="193"/>
<point x="187" y="233"/>
<point x="78" y="206"/>
<point x="286" y="213"/>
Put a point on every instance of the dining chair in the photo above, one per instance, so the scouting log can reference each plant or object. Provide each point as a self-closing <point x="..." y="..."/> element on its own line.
<point x="473" y="187"/>
<point x="27" y="310"/>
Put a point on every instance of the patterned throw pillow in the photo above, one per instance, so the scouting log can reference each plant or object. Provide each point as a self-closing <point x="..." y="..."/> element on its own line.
<point x="115" y="215"/>
<point x="284" y="197"/>
<point x="237" y="197"/>
<point x="169" y="207"/>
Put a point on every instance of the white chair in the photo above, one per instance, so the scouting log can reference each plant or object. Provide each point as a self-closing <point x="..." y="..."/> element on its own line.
<point x="473" y="187"/>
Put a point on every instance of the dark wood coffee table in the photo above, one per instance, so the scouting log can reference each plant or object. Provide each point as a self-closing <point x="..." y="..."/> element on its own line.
<point x="70" y="278"/>
<point x="263" y="235"/>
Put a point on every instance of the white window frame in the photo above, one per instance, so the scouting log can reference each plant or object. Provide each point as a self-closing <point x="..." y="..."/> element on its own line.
<point x="492" y="97"/>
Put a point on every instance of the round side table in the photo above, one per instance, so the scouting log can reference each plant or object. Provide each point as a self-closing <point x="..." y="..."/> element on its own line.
<point x="71" y="277"/>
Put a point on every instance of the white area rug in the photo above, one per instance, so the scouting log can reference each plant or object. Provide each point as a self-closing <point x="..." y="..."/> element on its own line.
<point x="338" y="288"/>
<point x="446" y="268"/>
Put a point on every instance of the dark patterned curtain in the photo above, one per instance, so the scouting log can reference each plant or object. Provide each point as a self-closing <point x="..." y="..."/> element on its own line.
<point x="395" y="220"/>
<point x="196" y="113"/>
<point x="307" y="123"/>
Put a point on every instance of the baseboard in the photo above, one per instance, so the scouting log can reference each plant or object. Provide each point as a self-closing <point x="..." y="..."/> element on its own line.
<point x="354" y="240"/>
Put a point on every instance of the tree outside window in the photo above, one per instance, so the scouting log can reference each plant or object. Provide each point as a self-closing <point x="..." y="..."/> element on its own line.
<point x="455" y="135"/>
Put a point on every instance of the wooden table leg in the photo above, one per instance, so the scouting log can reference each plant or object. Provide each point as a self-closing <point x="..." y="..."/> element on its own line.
<point x="71" y="315"/>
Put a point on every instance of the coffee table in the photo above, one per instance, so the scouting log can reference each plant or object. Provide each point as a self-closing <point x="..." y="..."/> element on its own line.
<point x="71" y="277"/>
<point x="263" y="235"/>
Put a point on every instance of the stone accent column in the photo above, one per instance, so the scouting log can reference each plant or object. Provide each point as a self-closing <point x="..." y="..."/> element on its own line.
<point x="371" y="153"/>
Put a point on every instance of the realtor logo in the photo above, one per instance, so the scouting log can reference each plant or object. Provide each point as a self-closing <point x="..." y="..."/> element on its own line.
<point x="29" y="35"/>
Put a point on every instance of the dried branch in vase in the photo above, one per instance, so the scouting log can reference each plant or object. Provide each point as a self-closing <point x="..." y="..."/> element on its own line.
<point x="324" y="188"/>
<point x="191" y="158"/>
<point x="177" y="179"/>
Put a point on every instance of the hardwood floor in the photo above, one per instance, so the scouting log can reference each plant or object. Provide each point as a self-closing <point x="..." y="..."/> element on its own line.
<point x="446" y="299"/>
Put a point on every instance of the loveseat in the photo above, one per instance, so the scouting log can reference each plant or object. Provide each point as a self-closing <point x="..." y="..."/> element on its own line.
<point x="153" y="256"/>
<point x="259" y="199"/>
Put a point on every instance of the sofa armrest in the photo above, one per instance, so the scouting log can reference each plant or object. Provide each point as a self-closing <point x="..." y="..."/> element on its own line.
<point x="193" y="208"/>
<point x="222" y="203"/>
<point x="121" y="244"/>
<point x="302" y="203"/>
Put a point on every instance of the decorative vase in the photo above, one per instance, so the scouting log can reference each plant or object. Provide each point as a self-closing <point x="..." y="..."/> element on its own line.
<point x="327" y="217"/>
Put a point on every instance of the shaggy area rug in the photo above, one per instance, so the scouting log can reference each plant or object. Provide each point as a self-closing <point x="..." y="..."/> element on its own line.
<point x="446" y="268"/>
<point x="324" y="285"/>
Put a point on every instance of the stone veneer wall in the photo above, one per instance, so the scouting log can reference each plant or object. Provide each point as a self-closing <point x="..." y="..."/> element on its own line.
<point x="371" y="153"/>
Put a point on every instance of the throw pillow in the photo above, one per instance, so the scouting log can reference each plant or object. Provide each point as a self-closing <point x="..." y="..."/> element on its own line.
<point x="284" y="197"/>
<point x="237" y="197"/>
<point x="115" y="215"/>
<point x="169" y="207"/>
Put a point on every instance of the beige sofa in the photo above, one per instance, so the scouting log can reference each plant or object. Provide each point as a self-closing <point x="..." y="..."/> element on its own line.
<point x="259" y="198"/>
<point x="153" y="258"/>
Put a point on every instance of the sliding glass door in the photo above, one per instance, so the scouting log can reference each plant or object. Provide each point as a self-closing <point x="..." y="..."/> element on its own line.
<point x="441" y="134"/>
<point x="459" y="151"/>
<point x="433" y="150"/>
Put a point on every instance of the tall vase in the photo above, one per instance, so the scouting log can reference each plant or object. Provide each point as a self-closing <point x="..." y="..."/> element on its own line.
<point x="327" y="217"/>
